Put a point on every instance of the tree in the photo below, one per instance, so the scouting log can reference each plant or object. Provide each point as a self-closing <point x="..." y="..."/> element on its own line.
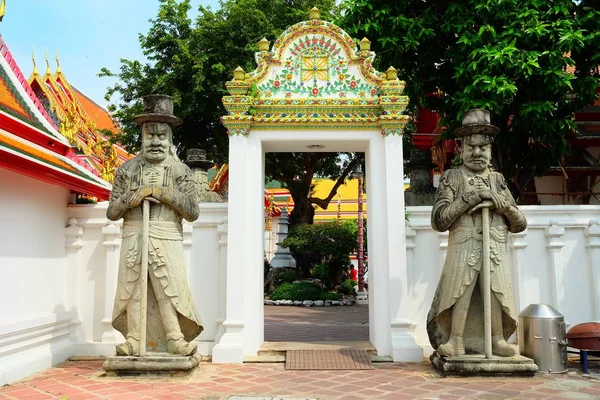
<point x="192" y="62"/>
<point x="509" y="57"/>
<point x="329" y="243"/>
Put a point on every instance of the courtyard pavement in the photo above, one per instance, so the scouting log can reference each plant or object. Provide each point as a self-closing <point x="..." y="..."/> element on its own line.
<point x="316" y="324"/>
<point x="80" y="380"/>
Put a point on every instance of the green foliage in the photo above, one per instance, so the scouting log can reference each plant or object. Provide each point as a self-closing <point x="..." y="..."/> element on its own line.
<point x="266" y="268"/>
<point x="330" y="243"/>
<point x="302" y="291"/>
<point x="331" y="296"/>
<point x="192" y="60"/>
<point x="509" y="57"/>
<point x="82" y="199"/>
<point x="347" y="287"/>
<point x="321" y="272"/>
<point x="286" y="277"/>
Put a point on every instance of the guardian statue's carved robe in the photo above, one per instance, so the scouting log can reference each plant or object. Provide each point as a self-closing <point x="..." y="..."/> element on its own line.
<point x="167" y="274"/>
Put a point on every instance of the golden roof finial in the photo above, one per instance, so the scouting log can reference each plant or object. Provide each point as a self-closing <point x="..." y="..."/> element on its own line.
<point x="263" y="45"/>
<point x="239" y="74"/>
<point x="391" y="74"/>
<point x="314" y="13"/>
<point x="2" y="9"/>
<point x="365" y="44"/>
<point x="35" y="70"/>
<point x="58" y="71"/>
<point x="48" y="70"/>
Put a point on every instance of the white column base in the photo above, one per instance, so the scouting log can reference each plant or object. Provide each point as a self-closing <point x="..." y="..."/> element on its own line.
<point x="230" y="349"/>
<point x="404" y="346"/>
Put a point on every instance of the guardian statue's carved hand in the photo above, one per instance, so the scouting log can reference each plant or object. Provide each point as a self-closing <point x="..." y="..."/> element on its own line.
<point x="139" y="195"/>
<point x="501" y="204"/>
<point x="492" y="200"/>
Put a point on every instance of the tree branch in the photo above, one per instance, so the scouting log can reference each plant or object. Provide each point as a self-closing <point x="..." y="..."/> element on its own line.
<point x="324" y="203"/>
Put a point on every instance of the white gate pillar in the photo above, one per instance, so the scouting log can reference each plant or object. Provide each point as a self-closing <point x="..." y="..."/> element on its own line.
<point x="254" y="262"/>
<point x="404" y="345"/>
<point x="379" y="282"/>
<point x="393" y="121"/>
<point x="230" y="348"/>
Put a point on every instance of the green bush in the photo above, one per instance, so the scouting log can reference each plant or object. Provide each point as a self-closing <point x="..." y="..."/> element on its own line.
<point x="286" y="277"/>
<point x="321" y="272"/>
<point x="296" y="291"/>
<point x="302" y="291"/>
<point x="329" y="243"/>
<point x="331" y="296"/>
<point x="347" y="287"/>
<point x="266" y="268"/>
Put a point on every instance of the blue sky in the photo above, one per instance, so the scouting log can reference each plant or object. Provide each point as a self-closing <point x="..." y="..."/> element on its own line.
<point x="89" y="35"/>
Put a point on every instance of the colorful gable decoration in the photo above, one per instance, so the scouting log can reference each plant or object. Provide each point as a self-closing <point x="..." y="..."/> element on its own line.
<point x="315" y="76"/>
<point x="29" y="141"/>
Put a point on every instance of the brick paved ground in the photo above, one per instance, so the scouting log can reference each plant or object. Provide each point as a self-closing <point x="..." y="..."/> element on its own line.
<point x="316" y="324"/>
<point x="85" y="380"/>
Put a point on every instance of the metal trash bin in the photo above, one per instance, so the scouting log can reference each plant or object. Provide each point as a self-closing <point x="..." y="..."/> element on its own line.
<point x="542" y="337"/>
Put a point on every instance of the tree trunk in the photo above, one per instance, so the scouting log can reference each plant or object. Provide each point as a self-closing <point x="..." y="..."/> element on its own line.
<point x="303" y="212"/>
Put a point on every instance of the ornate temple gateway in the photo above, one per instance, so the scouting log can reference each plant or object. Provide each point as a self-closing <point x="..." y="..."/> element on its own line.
<point x="315" y="90"/>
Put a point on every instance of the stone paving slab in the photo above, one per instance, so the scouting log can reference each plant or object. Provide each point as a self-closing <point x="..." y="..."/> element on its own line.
<point x="318" y="324"/>
<point x="83" y="380"/>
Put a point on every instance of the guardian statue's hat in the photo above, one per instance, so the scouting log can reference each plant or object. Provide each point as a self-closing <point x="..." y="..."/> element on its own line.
<point x="477" y="122"/>
<point x="158" y="108"/>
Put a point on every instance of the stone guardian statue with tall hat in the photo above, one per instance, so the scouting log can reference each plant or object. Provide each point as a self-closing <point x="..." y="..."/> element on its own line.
<point x="472" y="315"/>
<point x="153" y="193"/>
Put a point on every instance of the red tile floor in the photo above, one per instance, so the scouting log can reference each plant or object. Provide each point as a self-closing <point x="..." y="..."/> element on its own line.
<point x="79" y="380"/>
<point x="74" y="380"/>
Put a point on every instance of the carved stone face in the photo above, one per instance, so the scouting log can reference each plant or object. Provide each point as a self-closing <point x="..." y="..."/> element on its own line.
<point x="476" y="154"/>
<point x="156" y="140"/>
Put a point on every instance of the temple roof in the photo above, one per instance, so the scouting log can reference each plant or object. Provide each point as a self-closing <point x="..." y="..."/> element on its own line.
<point x="80" y="120"/>
<point x="30" y="143"/>
<point x="96" y="112"/>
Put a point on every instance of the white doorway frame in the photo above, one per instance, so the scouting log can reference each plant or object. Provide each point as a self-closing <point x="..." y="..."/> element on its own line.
<point x="390" y="328"/>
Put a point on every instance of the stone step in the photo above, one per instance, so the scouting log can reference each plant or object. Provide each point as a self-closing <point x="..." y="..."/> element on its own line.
<point x="270" y="358"/>
<point x="274" y="352"/>
<point x="265" y="358"/>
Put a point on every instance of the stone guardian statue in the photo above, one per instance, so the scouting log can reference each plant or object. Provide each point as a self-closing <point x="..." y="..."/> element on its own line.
<point x="156" y="174"/>
<point x="455" y="322"/>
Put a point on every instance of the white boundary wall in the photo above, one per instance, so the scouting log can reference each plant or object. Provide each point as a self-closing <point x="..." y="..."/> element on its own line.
<point x="59" y="281"/>
<point x="36" y="311"/>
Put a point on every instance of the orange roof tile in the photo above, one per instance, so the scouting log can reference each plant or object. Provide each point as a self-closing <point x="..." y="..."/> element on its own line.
<point x="96" y="113"/>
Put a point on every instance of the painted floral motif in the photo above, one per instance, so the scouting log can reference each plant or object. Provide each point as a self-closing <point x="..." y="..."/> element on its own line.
<point x="317" y="68"/>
